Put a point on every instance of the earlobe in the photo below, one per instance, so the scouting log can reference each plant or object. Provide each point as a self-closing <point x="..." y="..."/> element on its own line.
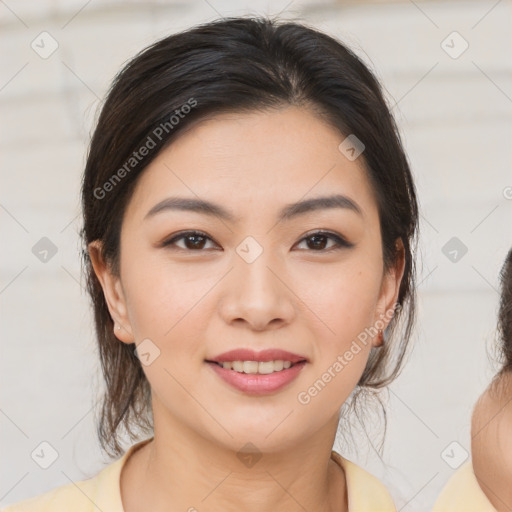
<point x="390" y="289"/>
<point x="113" y="292"/>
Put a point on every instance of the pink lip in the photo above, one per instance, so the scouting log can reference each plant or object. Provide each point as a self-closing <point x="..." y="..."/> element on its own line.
<point x="242" y="354"/>
<point x="258" y="384"/>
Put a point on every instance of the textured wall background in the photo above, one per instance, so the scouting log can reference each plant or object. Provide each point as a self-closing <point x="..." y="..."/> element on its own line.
<point x="447" y="69"/>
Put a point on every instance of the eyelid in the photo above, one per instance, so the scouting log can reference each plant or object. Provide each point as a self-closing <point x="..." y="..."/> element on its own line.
<point x="325" y="232"/>
<point x="182" y="234"/>
<point x="340" y="241"/>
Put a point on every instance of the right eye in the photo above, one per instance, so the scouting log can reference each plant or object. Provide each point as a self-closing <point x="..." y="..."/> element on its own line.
<point x="193" y="241"/>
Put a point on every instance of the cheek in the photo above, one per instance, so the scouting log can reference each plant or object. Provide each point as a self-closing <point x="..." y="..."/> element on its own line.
<point x="162" y="298"/>
<point x="344" y="300"/>
<point x="344" y="309"/>
<point x="170" y="313"/>
<point x="504" y="437"/>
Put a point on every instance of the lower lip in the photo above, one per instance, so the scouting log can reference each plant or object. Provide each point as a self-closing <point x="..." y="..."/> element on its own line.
<point x="256" y="383"/>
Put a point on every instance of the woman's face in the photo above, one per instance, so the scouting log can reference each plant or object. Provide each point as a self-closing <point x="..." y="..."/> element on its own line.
<point x="254" y="280"/>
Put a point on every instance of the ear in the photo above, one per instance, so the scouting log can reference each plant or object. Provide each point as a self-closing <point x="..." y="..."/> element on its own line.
<point x="113" y="292"/>
<point x="390" y="288"/>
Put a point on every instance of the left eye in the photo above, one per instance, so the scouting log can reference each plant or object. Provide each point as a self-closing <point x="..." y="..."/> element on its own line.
<point x="317" y="241"/>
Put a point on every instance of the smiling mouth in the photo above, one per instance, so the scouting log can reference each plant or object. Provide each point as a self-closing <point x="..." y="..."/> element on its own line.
<point x="257" y="367"/>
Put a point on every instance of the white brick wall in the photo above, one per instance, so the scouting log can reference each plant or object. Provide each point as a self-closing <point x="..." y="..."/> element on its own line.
<point x="456" y="125"/>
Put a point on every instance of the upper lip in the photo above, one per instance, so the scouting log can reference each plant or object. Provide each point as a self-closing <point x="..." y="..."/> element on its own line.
<point x="244" y="354"/>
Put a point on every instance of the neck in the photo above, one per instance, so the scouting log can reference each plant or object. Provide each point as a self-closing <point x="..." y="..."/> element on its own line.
<point x="181" y="470"/>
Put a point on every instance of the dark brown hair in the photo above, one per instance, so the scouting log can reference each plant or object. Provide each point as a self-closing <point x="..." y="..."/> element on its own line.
<point x="239" y="64"/>
<point x="505" y="314"/>
<point x="500" y="387"/>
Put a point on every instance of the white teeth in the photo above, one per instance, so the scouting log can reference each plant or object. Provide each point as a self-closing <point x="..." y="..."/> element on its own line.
<point x="250" y="367"/>
<point x="238" y="366"/>
<point x="263" y="367"/>
<point x="278" y="365"/>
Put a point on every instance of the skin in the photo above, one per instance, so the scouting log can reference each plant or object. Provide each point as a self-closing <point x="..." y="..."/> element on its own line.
<point x="197" y="303"/>
<point x="491" y="442"/>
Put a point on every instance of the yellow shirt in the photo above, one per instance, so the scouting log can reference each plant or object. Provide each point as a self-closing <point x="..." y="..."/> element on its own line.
<point x="103" y="491"/>
<point x="462" y="493"/>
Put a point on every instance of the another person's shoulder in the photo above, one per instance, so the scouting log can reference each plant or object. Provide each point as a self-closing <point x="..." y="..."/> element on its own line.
<point x="366" y="493"/>
<point x="463" y="493"/>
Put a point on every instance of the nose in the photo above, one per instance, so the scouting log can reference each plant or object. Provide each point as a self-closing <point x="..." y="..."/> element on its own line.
<point x="257" y="294"/>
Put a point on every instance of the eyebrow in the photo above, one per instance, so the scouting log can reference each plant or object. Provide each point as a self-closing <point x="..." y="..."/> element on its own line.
<point x="287" y="213"/>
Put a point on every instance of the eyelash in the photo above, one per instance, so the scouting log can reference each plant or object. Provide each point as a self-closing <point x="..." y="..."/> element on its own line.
<point x="341" y="243"/>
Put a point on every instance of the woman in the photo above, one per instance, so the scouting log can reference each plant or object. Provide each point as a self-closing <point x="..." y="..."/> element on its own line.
<point x="483" y="483"/>
<point x="249" y="226"/>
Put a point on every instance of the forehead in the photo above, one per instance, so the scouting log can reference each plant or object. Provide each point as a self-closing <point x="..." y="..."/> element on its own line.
<point x="254" y="160"/>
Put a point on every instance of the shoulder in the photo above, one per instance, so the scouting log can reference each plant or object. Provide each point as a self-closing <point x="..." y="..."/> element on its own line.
<point x="366" y="493"/>
<point x="73" y="496"/>
<point x="100" y="492"/>
<point x="462" y="492"/>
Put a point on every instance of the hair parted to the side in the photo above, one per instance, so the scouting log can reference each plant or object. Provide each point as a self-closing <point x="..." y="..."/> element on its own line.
<point x="239" y="64"/>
